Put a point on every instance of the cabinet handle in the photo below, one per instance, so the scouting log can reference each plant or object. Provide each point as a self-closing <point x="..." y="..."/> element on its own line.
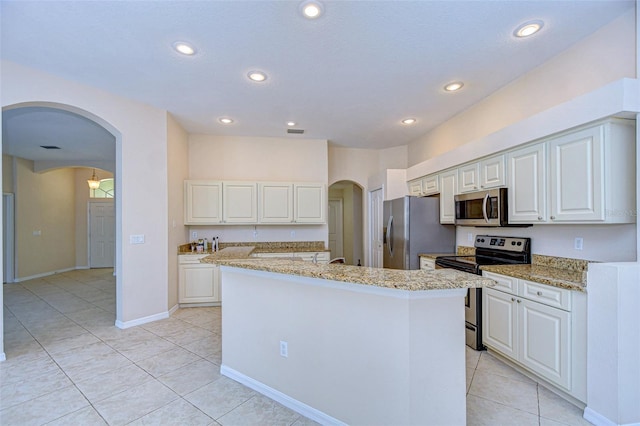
<point x="539" y="217"/>
<point x="519" y="300"/>
<point x="513" y="299"/>
<point x="552" y="217"/>
<point x="539" y="293"/>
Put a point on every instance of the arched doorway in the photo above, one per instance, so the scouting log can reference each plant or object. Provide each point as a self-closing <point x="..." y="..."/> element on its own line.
<point x="55" y="145"/>
<point x="346" y="237"/>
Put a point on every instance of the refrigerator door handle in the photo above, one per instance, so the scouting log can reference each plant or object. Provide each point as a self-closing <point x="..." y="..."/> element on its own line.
<point x="389" y="235"/>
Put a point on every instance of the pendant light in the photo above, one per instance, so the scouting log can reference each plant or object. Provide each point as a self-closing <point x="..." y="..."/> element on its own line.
<point x="94" y="183"/>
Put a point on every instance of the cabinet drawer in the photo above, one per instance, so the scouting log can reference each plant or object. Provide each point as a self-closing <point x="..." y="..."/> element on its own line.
<point x="427" y="264"/>
<point x="190" y="258"/>
<point x="548" y="295"/>
<point x="506" y="284"/>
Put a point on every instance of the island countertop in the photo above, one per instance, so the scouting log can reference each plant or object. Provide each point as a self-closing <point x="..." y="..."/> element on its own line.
<point x="411" y="280"/>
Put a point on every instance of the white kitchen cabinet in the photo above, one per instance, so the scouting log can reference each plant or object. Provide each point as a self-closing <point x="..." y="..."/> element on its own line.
<point x="431" y="185"/>
<point x="527" y="194"/>
<point x="197" y="282"/>
<point x="469" y="178"/>
<point x="427" y="264"/>
<point x="202" y="202"/>
<point x="539" y="327"/>
<point x="240" y="202"/>
<point x="275" y="202"/>
<point x="310" y="203"/>
<point x="582" y="176"/>
<point x="492" y="172"/>
<point x="448" y="189"/>
<point x="415" y="188"/>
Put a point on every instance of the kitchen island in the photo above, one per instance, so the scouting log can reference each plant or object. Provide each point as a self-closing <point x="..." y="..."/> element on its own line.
<point x="345" y="344"/>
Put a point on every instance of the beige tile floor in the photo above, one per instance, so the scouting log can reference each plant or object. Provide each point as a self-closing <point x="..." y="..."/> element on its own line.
<point x="67" y="364"/>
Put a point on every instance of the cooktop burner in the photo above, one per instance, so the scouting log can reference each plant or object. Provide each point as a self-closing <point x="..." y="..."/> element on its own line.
<point x="490" y="250"/>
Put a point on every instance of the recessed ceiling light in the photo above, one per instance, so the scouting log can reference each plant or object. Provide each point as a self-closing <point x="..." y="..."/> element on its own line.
<point x="184" y="48"/>
<point x="225" y="120"/>
<point x="452" y="87"/>
<point x="257" y="76"/>
<point x="528" y="28"/>
<point x="311" y="9"/>
<point x="291" y="123"/>
<point x="409" y="121"/>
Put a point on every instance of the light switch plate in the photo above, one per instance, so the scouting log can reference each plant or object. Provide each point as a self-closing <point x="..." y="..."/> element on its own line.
<point x="136" y="239"/>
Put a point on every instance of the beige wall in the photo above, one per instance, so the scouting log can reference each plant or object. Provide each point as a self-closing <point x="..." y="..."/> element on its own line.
<point x="178" y="172"/>
<point x="45" y="204"/>
<point x="607" y="55"/>
<point x="141" y="157"/>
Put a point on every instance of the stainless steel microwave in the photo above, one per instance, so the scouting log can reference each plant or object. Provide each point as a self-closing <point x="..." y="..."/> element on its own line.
<point x="482" y="208"/>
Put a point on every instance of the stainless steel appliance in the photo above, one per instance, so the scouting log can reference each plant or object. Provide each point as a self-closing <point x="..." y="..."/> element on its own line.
<point x="483" y="208"/>
<point x="413" y="227"/>
<point x="490" y="250"/>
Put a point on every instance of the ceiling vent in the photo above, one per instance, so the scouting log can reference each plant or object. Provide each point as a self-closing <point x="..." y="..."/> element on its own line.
<point x="295" y="131"/>
<point x="49" y="147"/>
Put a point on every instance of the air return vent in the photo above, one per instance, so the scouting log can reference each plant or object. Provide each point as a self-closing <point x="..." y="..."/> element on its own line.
<point x="296" y="131"/>
<point x="49" y="147"/>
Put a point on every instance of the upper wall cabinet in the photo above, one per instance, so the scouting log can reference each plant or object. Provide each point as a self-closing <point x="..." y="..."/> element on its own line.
<point x="448" y="187"/>
<point x="310" y="203"/>
<point x="484" y="174"/>
<point x="429" y="185"/>
<point x="586" y="176"/>
<point x="237" y="203"/>
<point x="202" y="202"/>
<point x="240" y="202"/>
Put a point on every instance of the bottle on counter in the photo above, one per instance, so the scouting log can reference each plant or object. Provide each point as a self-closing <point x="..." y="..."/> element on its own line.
<point x="205" y="245"/>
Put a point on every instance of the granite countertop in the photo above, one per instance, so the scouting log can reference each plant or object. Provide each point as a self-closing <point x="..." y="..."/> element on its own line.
<point x="561" y="272"/>
<point x="413" y="280"/>
<point x="264" y="247"/>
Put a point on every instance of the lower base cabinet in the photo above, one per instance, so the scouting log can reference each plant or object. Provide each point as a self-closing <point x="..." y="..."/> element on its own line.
<point x="197" y="282"/>
<point x="538" y="327"/>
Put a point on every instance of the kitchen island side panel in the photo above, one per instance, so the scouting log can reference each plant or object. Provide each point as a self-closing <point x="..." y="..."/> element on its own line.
<point x="358" y="357"/>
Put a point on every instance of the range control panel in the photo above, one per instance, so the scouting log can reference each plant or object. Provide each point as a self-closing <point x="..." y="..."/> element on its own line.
<point x="516" y="244"/>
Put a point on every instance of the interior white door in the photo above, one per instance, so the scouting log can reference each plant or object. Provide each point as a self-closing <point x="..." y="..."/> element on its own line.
<point x="335" y="229"/>
<point x="375" y="213"/>
<point x="7" y="239"/>
<point x="102" y="233"/>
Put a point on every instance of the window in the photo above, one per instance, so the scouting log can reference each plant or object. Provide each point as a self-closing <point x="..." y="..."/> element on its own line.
<point x="105" y="190"/>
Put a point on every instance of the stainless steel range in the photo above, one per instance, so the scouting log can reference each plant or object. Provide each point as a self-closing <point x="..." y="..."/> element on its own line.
<point x="490" y="250"/>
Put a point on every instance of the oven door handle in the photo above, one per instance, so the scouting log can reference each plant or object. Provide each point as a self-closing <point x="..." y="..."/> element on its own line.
<point x="484" y="208"/>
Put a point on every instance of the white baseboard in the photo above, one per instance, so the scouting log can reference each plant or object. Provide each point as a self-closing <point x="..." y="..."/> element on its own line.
<point x="599" y="420"/>
<point x="286" y="400"/>
<point x="140" y="321"/>
<point x="45" y="274"/>
<point x="83" y="267"/>
<point x="172" y="310"/>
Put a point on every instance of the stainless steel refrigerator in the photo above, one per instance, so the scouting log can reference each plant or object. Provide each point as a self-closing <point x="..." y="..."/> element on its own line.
<point x="412" y="226"/>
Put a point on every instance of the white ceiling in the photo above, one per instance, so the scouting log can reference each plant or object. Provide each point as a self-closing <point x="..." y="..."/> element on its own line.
<point x="349" y="76"/>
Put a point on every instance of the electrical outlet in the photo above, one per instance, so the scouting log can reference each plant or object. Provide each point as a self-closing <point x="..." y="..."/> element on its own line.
<point x="255" y="234"/>
<point x="470" y="237"/>
<point x="136" y="239"/>
<point x="293" y="234"/>
<point x="194" y="235"/>
<point x="577" y="243"/>
<point x="284" y="349"/>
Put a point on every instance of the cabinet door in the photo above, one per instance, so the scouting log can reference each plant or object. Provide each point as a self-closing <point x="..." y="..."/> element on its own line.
<point x="527" y="185"/>
<point x="469" y="178"/>
<point x="430" y="185"/>
<point x="577" y="176"/>
<point x="275" y="203"/>
<point x="545" y="341"/>
<point x="310" y="203"/>
<point x="240" y="202"/>
<point x="415" y="187"/>
<point x="198" y="283"/>
<point x="499" y="322"/>
<point x="492" y="172"/>
<point x="448" y="187"/>
<point x="202" y="202"/>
